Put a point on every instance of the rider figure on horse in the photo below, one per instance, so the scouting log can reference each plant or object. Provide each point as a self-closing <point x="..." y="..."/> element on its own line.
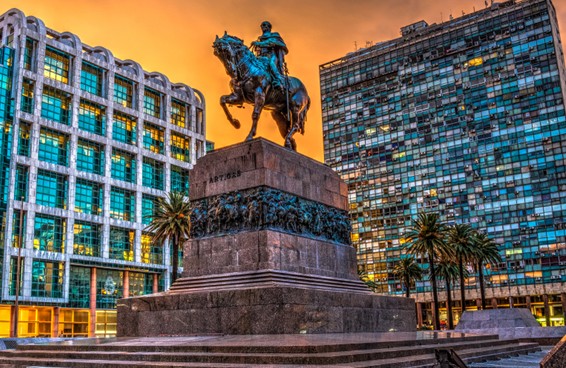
<point x="271" y="50"/>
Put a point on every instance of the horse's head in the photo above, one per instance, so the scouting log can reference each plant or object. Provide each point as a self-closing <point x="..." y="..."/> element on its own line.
<point x="225" y="47"/>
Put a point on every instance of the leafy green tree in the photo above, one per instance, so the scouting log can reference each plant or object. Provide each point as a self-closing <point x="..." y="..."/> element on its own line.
<point x="171" y="221"/>
<point x="426" y="237"/>
<point x="485" y="252"/>
<point x="461" y="244"/>
<point x="409" y="272"/>
<point x="449" y="271"/>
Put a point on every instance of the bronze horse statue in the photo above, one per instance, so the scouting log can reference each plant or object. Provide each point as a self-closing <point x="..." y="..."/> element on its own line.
<point x="252" y="83"/>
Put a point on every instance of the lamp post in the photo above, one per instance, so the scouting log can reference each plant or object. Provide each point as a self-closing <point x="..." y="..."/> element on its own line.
<point x="18" y="271"/>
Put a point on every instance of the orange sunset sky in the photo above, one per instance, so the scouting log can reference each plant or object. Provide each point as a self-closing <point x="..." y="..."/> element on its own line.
<point x="175" y="37"/>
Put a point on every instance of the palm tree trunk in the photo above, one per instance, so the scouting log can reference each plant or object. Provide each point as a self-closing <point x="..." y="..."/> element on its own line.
<point x="175" y="259"/>
<point x="482" y="287"/>
<point x="462" y="284"/>
<point x="449" y="306"/>
<point x="407" y="288"/>
<point x="434" y="292"/>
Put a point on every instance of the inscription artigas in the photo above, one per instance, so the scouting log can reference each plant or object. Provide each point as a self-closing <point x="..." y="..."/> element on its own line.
<point x="228" y="176"/>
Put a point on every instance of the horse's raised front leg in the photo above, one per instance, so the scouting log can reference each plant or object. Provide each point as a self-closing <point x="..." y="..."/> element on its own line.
<point x="233" y="99"/>
<point x="259" y="101"/>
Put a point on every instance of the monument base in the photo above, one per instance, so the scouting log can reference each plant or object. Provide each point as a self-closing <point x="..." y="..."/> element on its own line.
<point x="270" y="254"/>
<point x="275" y="309"/>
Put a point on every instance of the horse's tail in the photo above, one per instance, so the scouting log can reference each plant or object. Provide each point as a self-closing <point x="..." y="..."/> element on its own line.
<point x="303" y="116"/>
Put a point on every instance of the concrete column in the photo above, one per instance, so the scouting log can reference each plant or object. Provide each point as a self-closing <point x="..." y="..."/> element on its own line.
<point x="546" y="309"/>
<point x="126" y="283"/>
<point x="419" y="314"/>
<point x="528" y="301"/>
<point x="494" y="303"/>
<point x="478" y="303"/>
<point x="156" y="284"/>
<point x="55" y="326"/>
<point x="92" y="310"/>
<point x="511" y="300"/>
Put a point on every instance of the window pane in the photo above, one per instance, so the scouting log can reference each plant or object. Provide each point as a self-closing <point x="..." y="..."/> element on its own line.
<point x="90" y="157"/>
<point x="123" y="166"/>
<point x="153" y="138"/>
<point x="87" y="239"/>
<point x="123" y="92"/>
<point x="56" y="65"/>
<point x="56" y="105"/>
<point x="49" y="233"/>
<point x="91" y="79"/>
<point x="51" y="189"/>
<point x="89" y="197"/>
<point x="124" y="128"/>
<point x="53" y="146"/>
<point x="92" y="117"/>
<point x="122" y="204"/>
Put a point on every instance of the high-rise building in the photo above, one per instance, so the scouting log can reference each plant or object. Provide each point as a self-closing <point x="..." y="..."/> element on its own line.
<point x="464" y="118"/>
<point x="88" y="144"/>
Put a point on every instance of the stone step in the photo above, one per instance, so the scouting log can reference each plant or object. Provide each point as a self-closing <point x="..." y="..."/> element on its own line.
<point x="532" y="360"/>
<point x="263" y="278"/>
<point x="416" y="355"/>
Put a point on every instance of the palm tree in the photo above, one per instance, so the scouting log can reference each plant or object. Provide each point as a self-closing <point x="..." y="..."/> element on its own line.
<point x="426" y="238"/>
<point x="408" y="271"/>
<point x="485" y="252"/>
<point x="460" y="242"/>
<point x="362" y="274"/>
<point x="448" y="270"/>
<point x="171" y="220"/>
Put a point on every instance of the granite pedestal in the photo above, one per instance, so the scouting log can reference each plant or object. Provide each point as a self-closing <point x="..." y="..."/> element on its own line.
<point x="270" y="254"/>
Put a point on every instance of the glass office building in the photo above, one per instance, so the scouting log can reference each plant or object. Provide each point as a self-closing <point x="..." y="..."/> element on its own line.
<point x="88" y="144"/>
<point x="465" y="118"/>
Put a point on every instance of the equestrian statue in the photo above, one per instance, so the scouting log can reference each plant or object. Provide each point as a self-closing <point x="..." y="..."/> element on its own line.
<point x="261" y="79"/>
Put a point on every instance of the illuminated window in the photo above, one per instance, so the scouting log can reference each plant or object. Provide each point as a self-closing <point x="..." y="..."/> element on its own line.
<point x="123" y="166"/>
<point x="179" y="179"/>
<point x="153" y="138"/>
<point x="27" y="96"/>
<point x="47" y="279"/>
<point x="24" y="139"/>
<point x="122" y="204"/>
<point x="92" y="78"/>
<point x="49" y="233"/>
<point x="140" y="283"/>
<point x="87" y="238"/>
<point x="51" y="189"/>
<point x="121" y="244"/>
<point x="57" y="65"/>
<point x="179" y="113"/>
<point x="106" y="319"/>
<point x="124" y="128"/>
<point x="151" y="253"/>
<point x="89" y="197"/>
<point x="124" y="91"/>
<point x="92" y="117"/>
<point x="56" y="105"/>
<point x="73" y="323"/>
<point x="180" y="147"/>
<point x="152" y="173"/>
<point x="475" y="61"/>
<point x="53" y="146"/>
<point x="152" y="103"/>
